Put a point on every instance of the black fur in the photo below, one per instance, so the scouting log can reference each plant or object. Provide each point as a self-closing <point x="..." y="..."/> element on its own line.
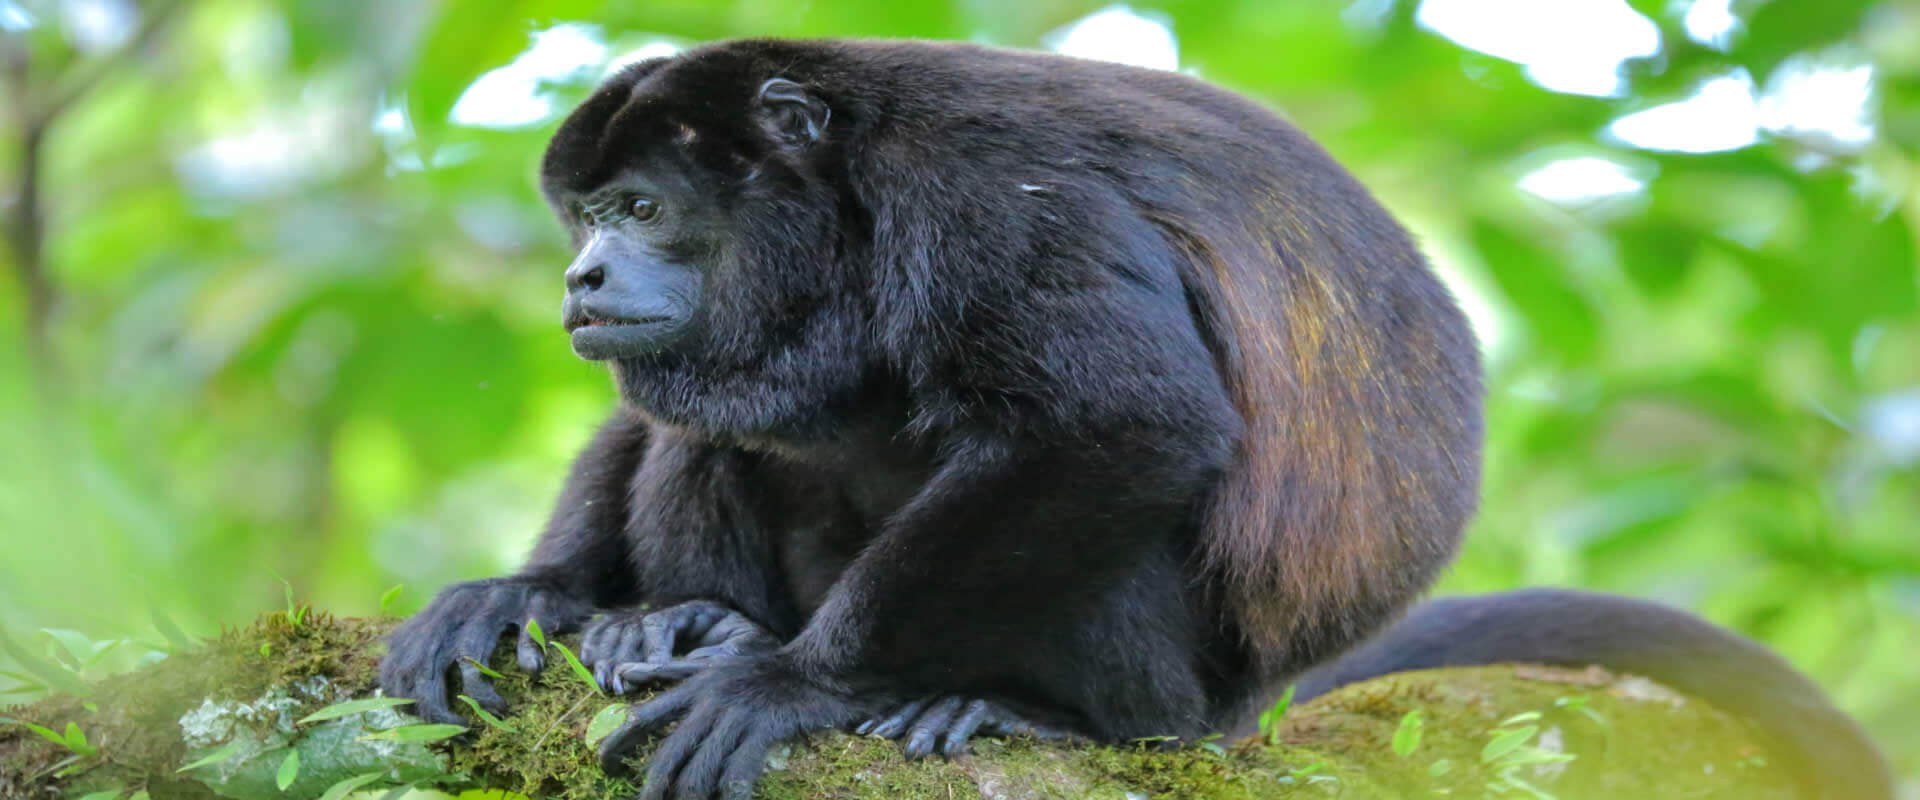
<point x="981" y="390"/>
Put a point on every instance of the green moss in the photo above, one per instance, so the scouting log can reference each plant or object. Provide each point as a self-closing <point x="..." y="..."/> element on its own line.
<point x="1646" y="740"/>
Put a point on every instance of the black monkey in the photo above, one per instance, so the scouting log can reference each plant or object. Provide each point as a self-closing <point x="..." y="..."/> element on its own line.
<point x="968" y="390"/>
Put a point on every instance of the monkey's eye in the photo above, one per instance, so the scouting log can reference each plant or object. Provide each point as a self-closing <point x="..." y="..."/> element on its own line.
<point x="644" y="209"/>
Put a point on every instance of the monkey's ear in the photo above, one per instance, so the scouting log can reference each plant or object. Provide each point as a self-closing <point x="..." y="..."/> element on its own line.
<point x="790" y="114"/>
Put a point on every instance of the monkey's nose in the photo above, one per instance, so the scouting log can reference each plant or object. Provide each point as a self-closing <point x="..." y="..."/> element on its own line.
<point x="589" y="279"/>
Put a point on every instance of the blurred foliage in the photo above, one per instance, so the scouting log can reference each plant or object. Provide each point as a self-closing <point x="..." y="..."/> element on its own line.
<point x="276" y="315"/>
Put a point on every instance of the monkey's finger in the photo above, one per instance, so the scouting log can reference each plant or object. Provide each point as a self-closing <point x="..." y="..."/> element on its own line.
<point x="744" y="766"/>
<point x="954" y="742"/>
<point x="643" y="720"/>
<point x="672" y="755"/>
<point x="432" y="694"/>
<point x="635" y="674"/>
<point x="927" y="729"/>
<point x="738" y="629"/>
<point x="891" y="726"/>
<point x="557" y="614"/>
<point x="658" y="632"/>
<point x="596" y="642"/>
<point x="476" y="686"/>
<point x="630" y="646"/>
<point x="700" y="774"/>
<point x="611" y="650"/>
<point x="472" y="646"/>
<point x="1006" y="724"/>
<point x="708" y="655"/>
<point x="528" y="653"/>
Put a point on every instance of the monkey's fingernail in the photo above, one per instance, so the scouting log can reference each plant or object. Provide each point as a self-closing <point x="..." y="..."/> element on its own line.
<point x="864" y="727"/>
<point x="919" y="745"/>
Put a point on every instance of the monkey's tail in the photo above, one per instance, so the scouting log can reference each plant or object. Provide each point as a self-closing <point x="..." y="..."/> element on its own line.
<point x="1826" y="751"/>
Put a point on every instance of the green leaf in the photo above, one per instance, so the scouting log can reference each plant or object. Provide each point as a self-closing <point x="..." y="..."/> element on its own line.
<point x="1507" y="742"/>
<point x="533" y="631"/>
<point x="1525" y="716"/>
<point x="484" y="669"/>
<point x="1440" y="767"/>
<point x="226" y="751"/>
<point x="53" y="674"/>
<point x="45" y="733"/>
<point x="1270" y="718"/>
<point x="104" y="794"/>
<point x="289" y="770"/>
<point x="352" y="707"/>
<point x="350" y="785"/>
<point x="490" y="719"/>
<point x="76" y="741"/>
<point x="266" y="649"/>
<point x="1407" y="737"/>
<point x="177" y="640"/>
<point x="386" y="600"/>
<point x="1775" y="31"/>
<point x="605" y="722"/>
<point x="78" y="648"/>
<point x="415" y="733"/>
<point x="578" y="668"/>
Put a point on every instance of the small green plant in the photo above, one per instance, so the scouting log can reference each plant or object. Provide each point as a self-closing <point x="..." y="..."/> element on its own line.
<point x="1270" y="718"/>
<point x="386" y="599"/>
<point x="540" y="638"/>
<point x="1578" y="703"/>
<point x="350" y="785"/>
<point x="73" y="739"/>
<point x="427" y="732"/>
<point x="1210" y="744"/>
<point x="296" y="612"/>
<point x="1407" y="737"/>
<point x="491" y="720"/>
<point x="289" y="770"/>
<point x="605" y="722"/>
<point x="1512" y="749"/>
<point x="352" y="707"/>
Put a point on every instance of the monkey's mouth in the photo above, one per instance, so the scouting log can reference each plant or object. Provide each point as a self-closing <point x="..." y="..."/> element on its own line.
<point x="577" y="323"/>
<point x="600" y="338"/>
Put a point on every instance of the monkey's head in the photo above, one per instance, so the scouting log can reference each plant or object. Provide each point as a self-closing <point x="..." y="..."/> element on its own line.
<point x="713" y="272"/>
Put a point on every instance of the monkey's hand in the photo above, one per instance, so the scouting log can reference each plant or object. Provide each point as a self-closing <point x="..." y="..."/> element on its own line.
<point x="631" y="648"/>
<point x="460" y="629"/>
<point x="945" y="723"/>
<point x="730" y="716"/>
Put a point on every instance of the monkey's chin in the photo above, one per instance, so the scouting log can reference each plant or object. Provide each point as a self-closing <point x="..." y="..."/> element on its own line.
<point x="610" y="340"/>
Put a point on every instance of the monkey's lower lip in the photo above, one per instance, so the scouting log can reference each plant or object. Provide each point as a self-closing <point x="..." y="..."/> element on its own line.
<point x="599" y="340"/>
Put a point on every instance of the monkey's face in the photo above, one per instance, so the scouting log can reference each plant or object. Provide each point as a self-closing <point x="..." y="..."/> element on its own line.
<point x="646" y="248"/>
<point x="714" y="274"/>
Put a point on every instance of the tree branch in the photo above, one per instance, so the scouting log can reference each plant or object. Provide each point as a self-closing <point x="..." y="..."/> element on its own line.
<point x="236" y="704"/>
<point x="26" y="235"/>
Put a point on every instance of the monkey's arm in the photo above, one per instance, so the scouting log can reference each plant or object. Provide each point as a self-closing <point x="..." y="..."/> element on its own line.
<point x="709" y="587"/>
<point x="581" y="561"/>
<point x="940" y="598"/>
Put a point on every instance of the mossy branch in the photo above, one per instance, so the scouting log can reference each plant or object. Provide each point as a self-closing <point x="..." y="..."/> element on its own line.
<point x="241" y="711"/>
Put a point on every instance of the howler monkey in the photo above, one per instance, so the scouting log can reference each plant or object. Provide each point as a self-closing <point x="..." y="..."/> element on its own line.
<point x="967" y="390"/>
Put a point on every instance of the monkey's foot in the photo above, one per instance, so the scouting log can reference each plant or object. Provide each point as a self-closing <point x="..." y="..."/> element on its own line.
<point x="631" y="648"/>
<point x="945" y="723"/>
